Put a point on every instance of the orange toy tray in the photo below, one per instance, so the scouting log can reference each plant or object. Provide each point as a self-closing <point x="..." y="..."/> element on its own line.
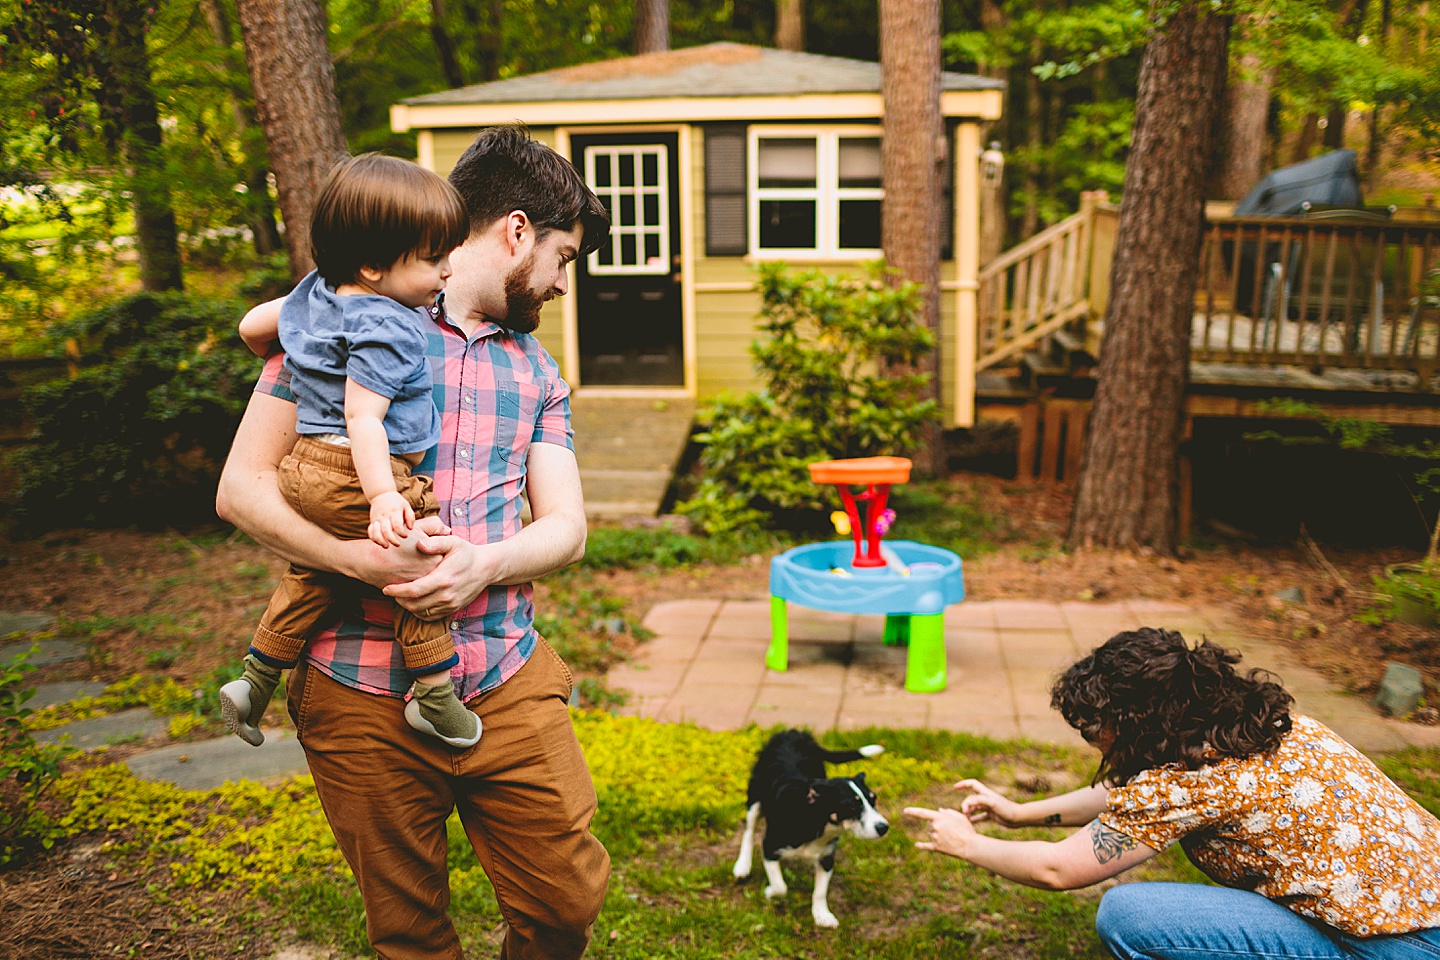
<point x="862" y="470"/>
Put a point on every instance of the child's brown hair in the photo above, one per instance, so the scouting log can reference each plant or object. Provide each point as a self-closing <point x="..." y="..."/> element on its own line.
<point x="373" y="210"/>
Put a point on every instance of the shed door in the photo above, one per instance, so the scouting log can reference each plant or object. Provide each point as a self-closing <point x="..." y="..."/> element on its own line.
<point x="628" y="292"/>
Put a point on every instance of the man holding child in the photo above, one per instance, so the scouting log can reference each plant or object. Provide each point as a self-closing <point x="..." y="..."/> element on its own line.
<point x="523" y="794"/>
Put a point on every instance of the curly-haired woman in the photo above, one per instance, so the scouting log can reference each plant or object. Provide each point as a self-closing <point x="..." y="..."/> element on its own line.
<point x="1319" y="855"/>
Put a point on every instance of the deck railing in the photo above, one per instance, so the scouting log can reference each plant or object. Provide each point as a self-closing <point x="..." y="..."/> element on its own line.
<point x="1050" y="281"/>
<point x="1329" y="291"/>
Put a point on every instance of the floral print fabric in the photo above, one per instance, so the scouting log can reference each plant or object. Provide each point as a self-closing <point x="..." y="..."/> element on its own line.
<point x="1312" y="825"/>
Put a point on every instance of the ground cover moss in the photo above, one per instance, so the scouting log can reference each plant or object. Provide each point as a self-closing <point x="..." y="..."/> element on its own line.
<point x="671" y="802"/>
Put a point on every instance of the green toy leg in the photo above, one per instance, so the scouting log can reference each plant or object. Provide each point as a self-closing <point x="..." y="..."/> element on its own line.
<point x="778" y="656"/>
<point x="897" y="628"/>
<point x="925" y="664"/>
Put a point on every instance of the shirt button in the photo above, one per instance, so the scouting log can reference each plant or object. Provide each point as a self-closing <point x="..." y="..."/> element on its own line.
<point x="464" y="454"/>
<point x="469" y="398"/>
<point x="454" y="624"/>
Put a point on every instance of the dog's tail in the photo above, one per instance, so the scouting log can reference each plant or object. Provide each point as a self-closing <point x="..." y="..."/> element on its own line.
<point x="849" y="756"/>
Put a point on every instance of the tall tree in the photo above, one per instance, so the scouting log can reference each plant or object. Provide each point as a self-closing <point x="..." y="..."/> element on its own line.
<point x="445" y="46"/>
<point x="912" y="153"/>
<point x="1126" y="495"/>
<point x="132" y="120"/>
<point x="259" y="209"/>
<point x="1245" y="113"/>
<point x="790" y="24"/>
<point x="652" y="25"/>
<point x="294" y="84"/>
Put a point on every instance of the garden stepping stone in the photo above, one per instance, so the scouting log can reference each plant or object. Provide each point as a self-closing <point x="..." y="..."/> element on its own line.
<point x="24" y="622"/>
<point x="51" y="650"/>
<point x="137" y="724"/>
<point x="49" y="694"/>
<point x="207" y="764"/>
<point x="1400" y="691"/>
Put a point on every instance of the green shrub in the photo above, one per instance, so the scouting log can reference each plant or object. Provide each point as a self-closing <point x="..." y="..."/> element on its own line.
<point x="613" y="548"/>
<point x="829" y="342"/>
<point x="139" y="437"/>
<point x="27" y="769"/>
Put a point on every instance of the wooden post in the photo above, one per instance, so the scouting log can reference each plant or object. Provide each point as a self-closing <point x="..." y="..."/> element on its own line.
<point x="967" y="267"/>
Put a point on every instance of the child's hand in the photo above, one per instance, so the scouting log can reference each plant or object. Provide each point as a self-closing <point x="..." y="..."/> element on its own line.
<point x="391" y="517"/>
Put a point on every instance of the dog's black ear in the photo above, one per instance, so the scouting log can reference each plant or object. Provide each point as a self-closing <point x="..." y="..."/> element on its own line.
<point x="860" y="779"/>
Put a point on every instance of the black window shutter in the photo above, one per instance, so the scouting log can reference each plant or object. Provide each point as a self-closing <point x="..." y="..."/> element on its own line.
<point x="726" y="230"/>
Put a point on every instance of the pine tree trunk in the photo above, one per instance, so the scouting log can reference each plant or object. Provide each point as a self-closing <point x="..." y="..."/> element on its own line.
<point x="790" y="24"/>
<point x="444" y="46"/>
<point x="1126" y="495"/>
<point x="137" y="120"/>
<point x="652" y="26"/>
<point x="1246" y="110"/>
<point x="1034" y="138"/>
<point x="912" y="152"/>
<point x="259" y="209"/>
<point x="484" y="21"/>
<point x="294" y="84"/>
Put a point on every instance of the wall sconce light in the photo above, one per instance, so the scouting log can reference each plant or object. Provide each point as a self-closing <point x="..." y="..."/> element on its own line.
<point x="992" y="164"/>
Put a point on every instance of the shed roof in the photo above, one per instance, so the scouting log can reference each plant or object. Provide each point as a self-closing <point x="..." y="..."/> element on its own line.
<point x="715" y="70"/>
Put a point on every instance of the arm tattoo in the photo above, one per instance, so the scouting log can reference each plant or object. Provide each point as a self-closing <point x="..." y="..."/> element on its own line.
<point x="1109" y="844"/>
<point x="1052" y="820"/>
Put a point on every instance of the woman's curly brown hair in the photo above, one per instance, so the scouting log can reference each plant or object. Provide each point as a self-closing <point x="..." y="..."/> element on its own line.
<point x="1164" y="702"/>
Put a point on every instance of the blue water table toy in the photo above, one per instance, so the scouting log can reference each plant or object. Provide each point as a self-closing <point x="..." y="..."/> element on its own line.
<point x="910" y="583"/>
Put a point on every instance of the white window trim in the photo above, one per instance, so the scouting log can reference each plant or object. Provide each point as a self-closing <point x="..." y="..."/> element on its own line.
<point x="827" y="192"/>
<point x="638" y="191"/>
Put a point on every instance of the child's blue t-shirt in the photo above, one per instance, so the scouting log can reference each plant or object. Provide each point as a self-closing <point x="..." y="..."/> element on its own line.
<point x="370" y="339"/>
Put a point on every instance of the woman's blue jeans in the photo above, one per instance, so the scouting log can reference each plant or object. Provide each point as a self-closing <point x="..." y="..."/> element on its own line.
<point x="1190" y="921"/>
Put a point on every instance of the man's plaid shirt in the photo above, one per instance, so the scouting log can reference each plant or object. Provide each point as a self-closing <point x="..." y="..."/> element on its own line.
<point x="497" y="393"/>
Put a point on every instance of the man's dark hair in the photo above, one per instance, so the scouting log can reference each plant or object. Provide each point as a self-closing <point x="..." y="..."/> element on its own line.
<point x="505" y="169"/>
<point x="1160" y="702"/>
<point x="373" y="210"/>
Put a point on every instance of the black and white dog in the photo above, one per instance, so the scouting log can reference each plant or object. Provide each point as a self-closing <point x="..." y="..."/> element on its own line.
<point x="805" y="812"/>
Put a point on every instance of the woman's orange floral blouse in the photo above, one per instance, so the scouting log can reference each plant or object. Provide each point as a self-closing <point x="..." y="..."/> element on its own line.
<point x="1312" y="825"/>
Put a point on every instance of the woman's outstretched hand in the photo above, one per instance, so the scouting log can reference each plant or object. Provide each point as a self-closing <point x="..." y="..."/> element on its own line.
<point x="949" y="830"/>
<point x="985" y="804"/>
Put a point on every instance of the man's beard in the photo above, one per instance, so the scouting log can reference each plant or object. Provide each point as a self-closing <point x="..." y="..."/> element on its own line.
<point x="522" y="304"/>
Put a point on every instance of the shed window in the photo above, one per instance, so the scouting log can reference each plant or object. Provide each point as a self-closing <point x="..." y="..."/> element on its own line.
<point x="815" y="191"/>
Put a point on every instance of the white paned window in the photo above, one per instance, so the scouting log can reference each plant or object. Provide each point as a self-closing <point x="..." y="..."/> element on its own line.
<point x="633" y="184"/>
<point x="815" y="192"/>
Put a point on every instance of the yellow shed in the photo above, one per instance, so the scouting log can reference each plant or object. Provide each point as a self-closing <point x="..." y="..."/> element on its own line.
<point x="712" y="159"/>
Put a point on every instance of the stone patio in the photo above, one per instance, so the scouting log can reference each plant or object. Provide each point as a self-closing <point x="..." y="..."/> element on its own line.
<point x="705" y="665"/>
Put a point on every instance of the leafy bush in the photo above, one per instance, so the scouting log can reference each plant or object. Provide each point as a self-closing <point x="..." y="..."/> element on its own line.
<point x="828" y="346"/>
<point x="139" y="437"/>
<point x="612" y="548"/>
<point x="27" y="769"/>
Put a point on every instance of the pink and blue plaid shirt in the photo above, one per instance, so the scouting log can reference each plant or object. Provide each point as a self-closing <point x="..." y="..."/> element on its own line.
<point x="497" y="392"/>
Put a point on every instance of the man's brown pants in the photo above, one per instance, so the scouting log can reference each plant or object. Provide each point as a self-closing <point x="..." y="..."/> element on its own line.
<point x="524" y="795"/>
<point x="319" y="480"/>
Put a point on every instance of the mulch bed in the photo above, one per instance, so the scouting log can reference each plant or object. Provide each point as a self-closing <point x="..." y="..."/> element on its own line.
<point x="75" y="903"/>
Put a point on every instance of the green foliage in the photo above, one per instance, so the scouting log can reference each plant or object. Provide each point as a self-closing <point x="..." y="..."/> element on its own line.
<point x="137" y="438"/>
<point x="27" y="769"/>
<point x="611" y="548"/>
<point x="828" y="341"/>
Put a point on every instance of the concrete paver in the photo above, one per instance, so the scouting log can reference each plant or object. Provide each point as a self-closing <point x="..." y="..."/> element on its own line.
<point x="47" y="651"/>
<point x="136" y="724"/>
<point x="50" y="694"/>
<point x="210" y="763"/>
<point x="1003" y="656"/>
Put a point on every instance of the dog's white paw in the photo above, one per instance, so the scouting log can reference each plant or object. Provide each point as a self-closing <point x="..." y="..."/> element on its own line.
<point x="824" y="918"/>
<point x="742" y="868"/>
<point x="771" y="892"/>
<point x="872" y="750"/>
